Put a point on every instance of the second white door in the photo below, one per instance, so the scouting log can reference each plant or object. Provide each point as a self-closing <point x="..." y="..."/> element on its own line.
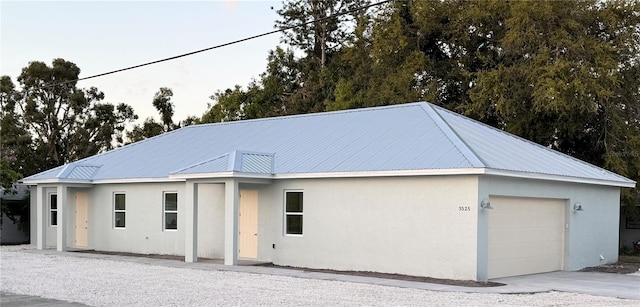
<point x="248" y="224"/>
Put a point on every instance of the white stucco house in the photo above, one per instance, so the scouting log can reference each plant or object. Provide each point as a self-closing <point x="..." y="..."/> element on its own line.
<point x="410" y="189"/>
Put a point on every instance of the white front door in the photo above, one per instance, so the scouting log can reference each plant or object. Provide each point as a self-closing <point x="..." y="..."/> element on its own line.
<point x="82" y="204"/>
<point x="248" y="224"/>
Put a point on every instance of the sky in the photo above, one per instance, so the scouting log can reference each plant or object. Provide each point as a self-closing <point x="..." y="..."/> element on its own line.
<point x="101" y="36"/>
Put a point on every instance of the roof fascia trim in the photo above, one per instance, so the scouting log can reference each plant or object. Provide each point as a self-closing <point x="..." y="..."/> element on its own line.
<point x="453" y="137"/>
<point x="396" y="173"/>
<point x="525" y="175"/>
<point x="222" y="175"/>
<point x="56" y="181"/>
<point x="138" y="180"/>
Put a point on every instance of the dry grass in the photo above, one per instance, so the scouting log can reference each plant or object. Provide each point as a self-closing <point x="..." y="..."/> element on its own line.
<point x="629" y="258"/>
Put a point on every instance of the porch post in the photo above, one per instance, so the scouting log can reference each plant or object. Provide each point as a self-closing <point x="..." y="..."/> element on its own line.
<point x="231" y="197"/>
<point x="41" y="218"/>
<point x="62" y="218"/>
<point x="191" y="222"/>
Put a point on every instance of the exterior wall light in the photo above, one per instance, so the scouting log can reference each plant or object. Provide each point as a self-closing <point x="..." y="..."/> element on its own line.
<point x="485" y="204"/>
<point x="577" y="207"/>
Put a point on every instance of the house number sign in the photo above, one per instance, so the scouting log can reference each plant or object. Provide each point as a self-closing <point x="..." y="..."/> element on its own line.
<point x="464" y="208"/>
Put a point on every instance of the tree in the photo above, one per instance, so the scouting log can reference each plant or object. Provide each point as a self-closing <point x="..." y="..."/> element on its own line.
<point x="48" y="121"/>
<point x="228" y="106"/>
<point x="568" y="77"/>
<point x="320" y="41"/>
<point x="320" y="38"/>
<point x="565" y="77"/>
<point x="16" y="153"/>
<point x="162" y="103"/>
<point x="67" y="123"/>
<point x="150" y="128"/>
<point x="266" y="97"/>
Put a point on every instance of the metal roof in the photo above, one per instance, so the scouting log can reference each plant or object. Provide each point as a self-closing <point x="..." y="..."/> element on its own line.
<point x="236" y="161"/>
<point x="406" y="137"/>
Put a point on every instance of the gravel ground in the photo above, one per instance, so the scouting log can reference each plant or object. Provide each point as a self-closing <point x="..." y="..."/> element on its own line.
<point x="102" y="282"/>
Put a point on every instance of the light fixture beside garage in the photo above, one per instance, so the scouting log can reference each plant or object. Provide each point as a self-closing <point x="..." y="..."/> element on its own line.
<point x="577" y="207"/>
<point x="485" y="204"/>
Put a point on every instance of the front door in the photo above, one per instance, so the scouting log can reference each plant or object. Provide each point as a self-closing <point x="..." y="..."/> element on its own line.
<point x="248" y="224"/>
<point x="82" y="204"/>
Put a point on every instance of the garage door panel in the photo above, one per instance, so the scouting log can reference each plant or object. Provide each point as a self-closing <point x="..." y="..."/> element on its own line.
<point x="526" y="250"/>
<point x="522" y="235"/>
<point x="514" y="267"/>
<point x="525" y="236"/>
<point x="543" y="220"/>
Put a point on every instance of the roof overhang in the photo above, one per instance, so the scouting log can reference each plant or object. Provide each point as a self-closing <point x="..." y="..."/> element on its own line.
<point x="390" y="173"/>
<point x="55" y="182"/>
<point x="358" y="174"/>
<point x="549" y="177"/>
<point x="222" y="175"/>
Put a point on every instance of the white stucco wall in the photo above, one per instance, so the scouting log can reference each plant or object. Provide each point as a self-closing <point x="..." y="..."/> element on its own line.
<point x="52" y="231"/>
<point x="210" y="221"/>
<point x="33" y="221"/>
<point x="405" y="225"/>
<point x="589" y="233"/>
<point x="144" y="219"/>
<point x="144" y="231"/>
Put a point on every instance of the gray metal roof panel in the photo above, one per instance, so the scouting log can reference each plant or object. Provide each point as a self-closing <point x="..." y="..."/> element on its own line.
<point x="256" y="163"/>
<point x="414" y="136"/>
<point x="215" y="165"/>
<point x="504" y="151"/>
<point x="83" y="172"/>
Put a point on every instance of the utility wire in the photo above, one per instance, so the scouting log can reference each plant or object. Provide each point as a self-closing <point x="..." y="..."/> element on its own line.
<point x="221" y="45"/>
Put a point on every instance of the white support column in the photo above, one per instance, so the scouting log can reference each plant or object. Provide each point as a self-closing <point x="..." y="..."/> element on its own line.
<point x="191" y="222"/>
<point x="231" y="199"/>
<point x="62" y="218"/>
<point x="41" y="218"/>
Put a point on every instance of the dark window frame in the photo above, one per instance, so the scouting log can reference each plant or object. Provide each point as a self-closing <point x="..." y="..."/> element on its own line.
<point x="166" y="212"/>
<point x="122" y="212"/>
<point x="53" y="212"/>
<point x="293" y="213"/>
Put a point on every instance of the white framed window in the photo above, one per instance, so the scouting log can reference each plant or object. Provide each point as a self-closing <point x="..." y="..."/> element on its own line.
<point x="170" y="208"/>
<point x="53" y="209"/>
<point x="119" y="209"/>
<point x="293" y="212"/>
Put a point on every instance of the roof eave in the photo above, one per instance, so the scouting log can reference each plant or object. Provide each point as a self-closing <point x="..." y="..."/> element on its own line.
<point x="55" y="181"/>
<point x="389" y="173"/>
<point x="222" y="175"/>
<point x="527" y="175"/>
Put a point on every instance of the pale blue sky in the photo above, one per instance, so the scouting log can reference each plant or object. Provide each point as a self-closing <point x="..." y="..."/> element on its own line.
<point x="104" y="36"/>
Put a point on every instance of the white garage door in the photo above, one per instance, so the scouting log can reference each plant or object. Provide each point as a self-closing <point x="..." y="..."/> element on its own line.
<point x="526" y="236"/>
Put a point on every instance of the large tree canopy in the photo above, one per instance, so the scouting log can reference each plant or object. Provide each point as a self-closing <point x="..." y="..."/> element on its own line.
<point x="564" y="76"/>
<point x="49" y="121"/>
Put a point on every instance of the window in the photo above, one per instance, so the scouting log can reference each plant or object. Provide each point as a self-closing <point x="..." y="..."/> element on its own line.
<point x="119" y="210"/>
<point x="293" y="212"/>
<point x="53" y="209"/>
<point x="170" y="210"/>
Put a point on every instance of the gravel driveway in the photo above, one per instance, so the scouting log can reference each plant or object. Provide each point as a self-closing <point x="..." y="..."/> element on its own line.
<point x="101" y="282"/>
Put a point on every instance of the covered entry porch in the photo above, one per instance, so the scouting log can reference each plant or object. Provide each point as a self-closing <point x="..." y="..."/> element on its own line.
<point x="61" y="212"/>
<point x="239" y="197"/>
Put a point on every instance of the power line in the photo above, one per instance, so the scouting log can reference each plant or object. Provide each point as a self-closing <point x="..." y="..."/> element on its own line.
<point x="221" y="45"/>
